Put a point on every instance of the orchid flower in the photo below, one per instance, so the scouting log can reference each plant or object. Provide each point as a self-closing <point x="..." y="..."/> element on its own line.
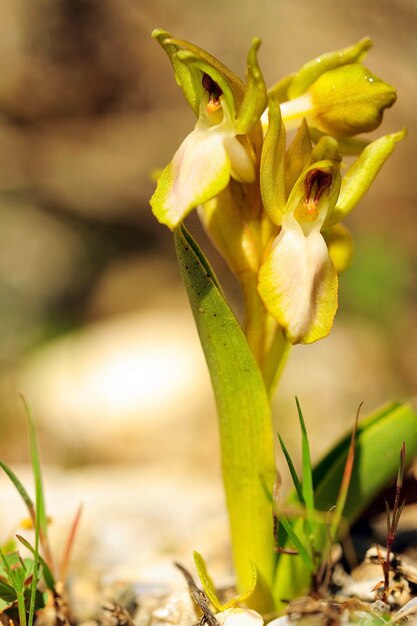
<point x="298" y="279"/>
<point x="220" y="146"/>
<point x="335" y="93"/>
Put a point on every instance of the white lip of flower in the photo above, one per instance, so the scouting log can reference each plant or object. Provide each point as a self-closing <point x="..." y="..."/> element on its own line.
<point x="203" y="164"/>
<point x="298" y="282"/>
<point x="239" y="617"/>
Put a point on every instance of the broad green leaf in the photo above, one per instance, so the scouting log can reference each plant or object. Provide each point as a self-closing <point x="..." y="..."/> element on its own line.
<point x="378" y="440"/>
<point x="244" y="419"/>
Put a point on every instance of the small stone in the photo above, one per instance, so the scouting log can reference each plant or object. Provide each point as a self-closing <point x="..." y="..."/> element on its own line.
<point x="239" y="617"/>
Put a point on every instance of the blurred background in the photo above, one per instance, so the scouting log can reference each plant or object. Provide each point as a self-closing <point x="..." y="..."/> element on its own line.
<point x="94" y="322"/>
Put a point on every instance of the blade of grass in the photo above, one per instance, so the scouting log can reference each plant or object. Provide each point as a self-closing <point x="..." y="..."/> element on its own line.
<point x="297" y="543"/>
<point x="41" y="523"/>
<point x="47" y="574"/>
<point x="21" y="491"/>
<point x="307" y="484"/>
<point x="293" y="472"/>
<point x="17" y="585"/>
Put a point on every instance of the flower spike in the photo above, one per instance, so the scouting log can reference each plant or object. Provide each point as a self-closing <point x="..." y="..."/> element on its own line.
<point x="211" y="154"/>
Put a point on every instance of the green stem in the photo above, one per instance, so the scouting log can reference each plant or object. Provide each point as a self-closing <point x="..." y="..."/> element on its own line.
<point x="264" y="336"/>
<point x="21" y="607"/>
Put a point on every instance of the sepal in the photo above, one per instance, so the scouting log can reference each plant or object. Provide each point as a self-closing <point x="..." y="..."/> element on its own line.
<point x="272" y="174"/>
<point x="313" y="69"/>
<point x="298" y="156"/>
<point x="255" y="98"/>
<point x="362" y="173"/>
<point x="186" y="76"/>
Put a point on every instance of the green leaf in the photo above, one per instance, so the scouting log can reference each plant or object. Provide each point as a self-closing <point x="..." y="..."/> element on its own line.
<point x="47" y="574"/>
<point x="362" y="173"/>
<point x="311" y="71"/>
<point x="379" y="437"/>
<point x="210" y="591"/>
<point x="206" y="581"/>
<point x="297" y="543"/>
<point x="307" y="484"/>
<point x="20" y="489"/>
<point x="41" y="523"/>
<point x="293" y="472"/>
<point x="273" y="164"/>
<point x="7" y="593"/>
<point x="244" y="418"/>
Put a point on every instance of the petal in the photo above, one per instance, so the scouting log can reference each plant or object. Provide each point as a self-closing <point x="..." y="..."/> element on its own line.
<point x="242" y="166"/>
<point x="199" y="170"/>
<point x="298" y="284"/>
